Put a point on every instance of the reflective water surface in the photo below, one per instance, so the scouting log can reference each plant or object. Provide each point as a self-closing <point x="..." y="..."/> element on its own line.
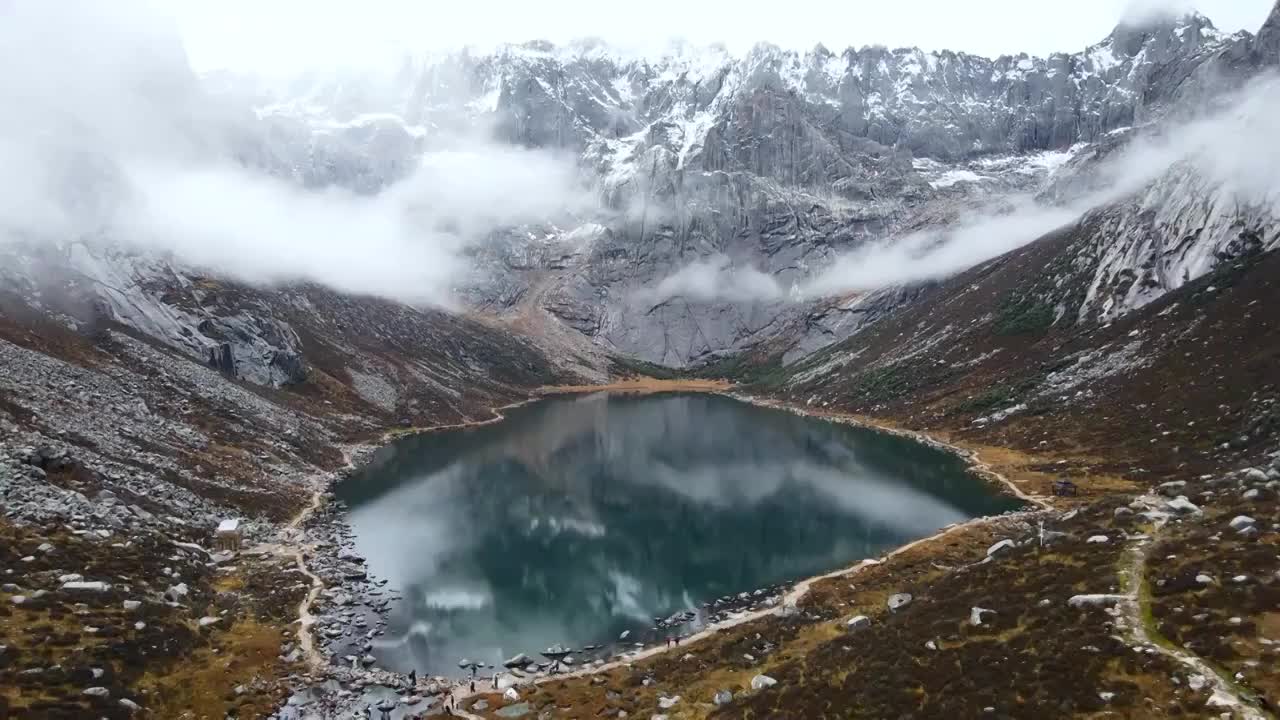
<point x="575" y="519"/>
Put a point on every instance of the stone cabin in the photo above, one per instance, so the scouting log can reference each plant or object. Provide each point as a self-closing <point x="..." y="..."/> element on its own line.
<point x="228" y="536"/>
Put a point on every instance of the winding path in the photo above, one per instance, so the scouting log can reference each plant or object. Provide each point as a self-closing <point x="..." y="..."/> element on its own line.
<point x="306" y="639"/>
<point x="1226" y="694"/>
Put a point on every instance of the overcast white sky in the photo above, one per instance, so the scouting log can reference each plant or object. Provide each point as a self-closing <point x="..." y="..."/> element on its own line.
<point x="284" y="35"/>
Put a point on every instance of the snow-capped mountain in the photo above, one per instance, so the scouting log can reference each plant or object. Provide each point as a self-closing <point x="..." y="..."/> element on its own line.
<point x="724" y="183"/>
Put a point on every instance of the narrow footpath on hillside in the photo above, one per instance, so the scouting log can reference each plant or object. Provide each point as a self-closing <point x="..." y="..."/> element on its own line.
<point x="1135" y="604"/>
<point x="306" y="639"/>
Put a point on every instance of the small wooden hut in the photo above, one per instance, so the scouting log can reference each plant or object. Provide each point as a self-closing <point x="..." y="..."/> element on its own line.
<point x="228" y="536"/>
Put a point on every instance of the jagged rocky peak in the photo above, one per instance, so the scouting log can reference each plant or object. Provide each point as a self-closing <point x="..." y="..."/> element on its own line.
<point x="1267" y="42"/>
<point x="944" y="105"/>
<point x="1131" y="35"/>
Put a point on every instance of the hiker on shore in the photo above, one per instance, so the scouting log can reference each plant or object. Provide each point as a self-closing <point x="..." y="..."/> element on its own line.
<point x="413" y="678"/>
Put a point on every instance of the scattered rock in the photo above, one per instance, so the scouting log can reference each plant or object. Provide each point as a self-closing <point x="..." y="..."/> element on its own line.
<point x="94" y="586"/>
<point x="1095" y="600"/>
<point x="1001" y="547"/>
<point x="518" y="661"/>
<point x="176" y="592"/>
<point x="1240" y="522"/>
<point x="978" y="616"/>
<point x="723" y="697"/>
<point x="1052" y="537"/>
<point x="1182" y="505"/>
<point x="1093" y="539"/>
<point x="511" y="695"/>
<point x="667" y="703"/>
<point x="857" y="622"/>
<point x="898" y="601"/>
<point x="760" y="682"/>
<point x="98" y="692"/>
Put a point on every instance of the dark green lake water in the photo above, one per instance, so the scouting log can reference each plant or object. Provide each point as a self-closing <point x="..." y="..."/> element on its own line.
<point x="576" y="519"/>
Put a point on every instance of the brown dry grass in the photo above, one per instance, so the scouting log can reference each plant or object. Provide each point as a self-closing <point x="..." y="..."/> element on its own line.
<point x="202" y="686"/>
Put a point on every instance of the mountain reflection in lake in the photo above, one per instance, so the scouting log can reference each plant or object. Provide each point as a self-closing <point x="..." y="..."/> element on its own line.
<point x="575" y="519"/>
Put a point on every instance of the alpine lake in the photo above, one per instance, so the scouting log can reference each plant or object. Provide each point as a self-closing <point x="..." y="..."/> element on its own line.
<point x="580" y="518"/>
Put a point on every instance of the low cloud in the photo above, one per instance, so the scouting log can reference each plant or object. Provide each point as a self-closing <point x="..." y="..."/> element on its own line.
<point x="1235" y="149"/>
<point x="1140" y="12"/>
<point x="937" y="253"/>
<point x="113" y="140"/>
<point x="714" y="278"/>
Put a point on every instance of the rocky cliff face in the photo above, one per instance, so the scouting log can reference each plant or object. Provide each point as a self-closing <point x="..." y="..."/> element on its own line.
<point x="774" y="162"/>
<point x="725" y="183"/>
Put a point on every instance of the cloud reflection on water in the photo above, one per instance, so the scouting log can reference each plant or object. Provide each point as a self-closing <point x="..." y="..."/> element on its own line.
<point x="580" y="517"/>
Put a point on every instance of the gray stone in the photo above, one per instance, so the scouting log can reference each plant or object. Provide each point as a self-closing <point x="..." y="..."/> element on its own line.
<point x="1240" y="522"/>
<point x="723" y="697"/>
<point x="899" y="601"/>
<point x="1095" y="600"/>
<point x="98" y="692"/>
<point x="87" y="586"/>
<point x="1000" y="547"/>
<point x="857" y="622"/>
<point x="1183" y="506"/>
<point x="1257" y="475"/>
<point x="978" y="616"/>
<point x="760" y="682"/>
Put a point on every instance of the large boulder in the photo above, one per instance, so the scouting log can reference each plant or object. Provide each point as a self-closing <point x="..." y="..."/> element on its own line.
<point x="518" y="661"/>
<point x="760" y="682"/>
